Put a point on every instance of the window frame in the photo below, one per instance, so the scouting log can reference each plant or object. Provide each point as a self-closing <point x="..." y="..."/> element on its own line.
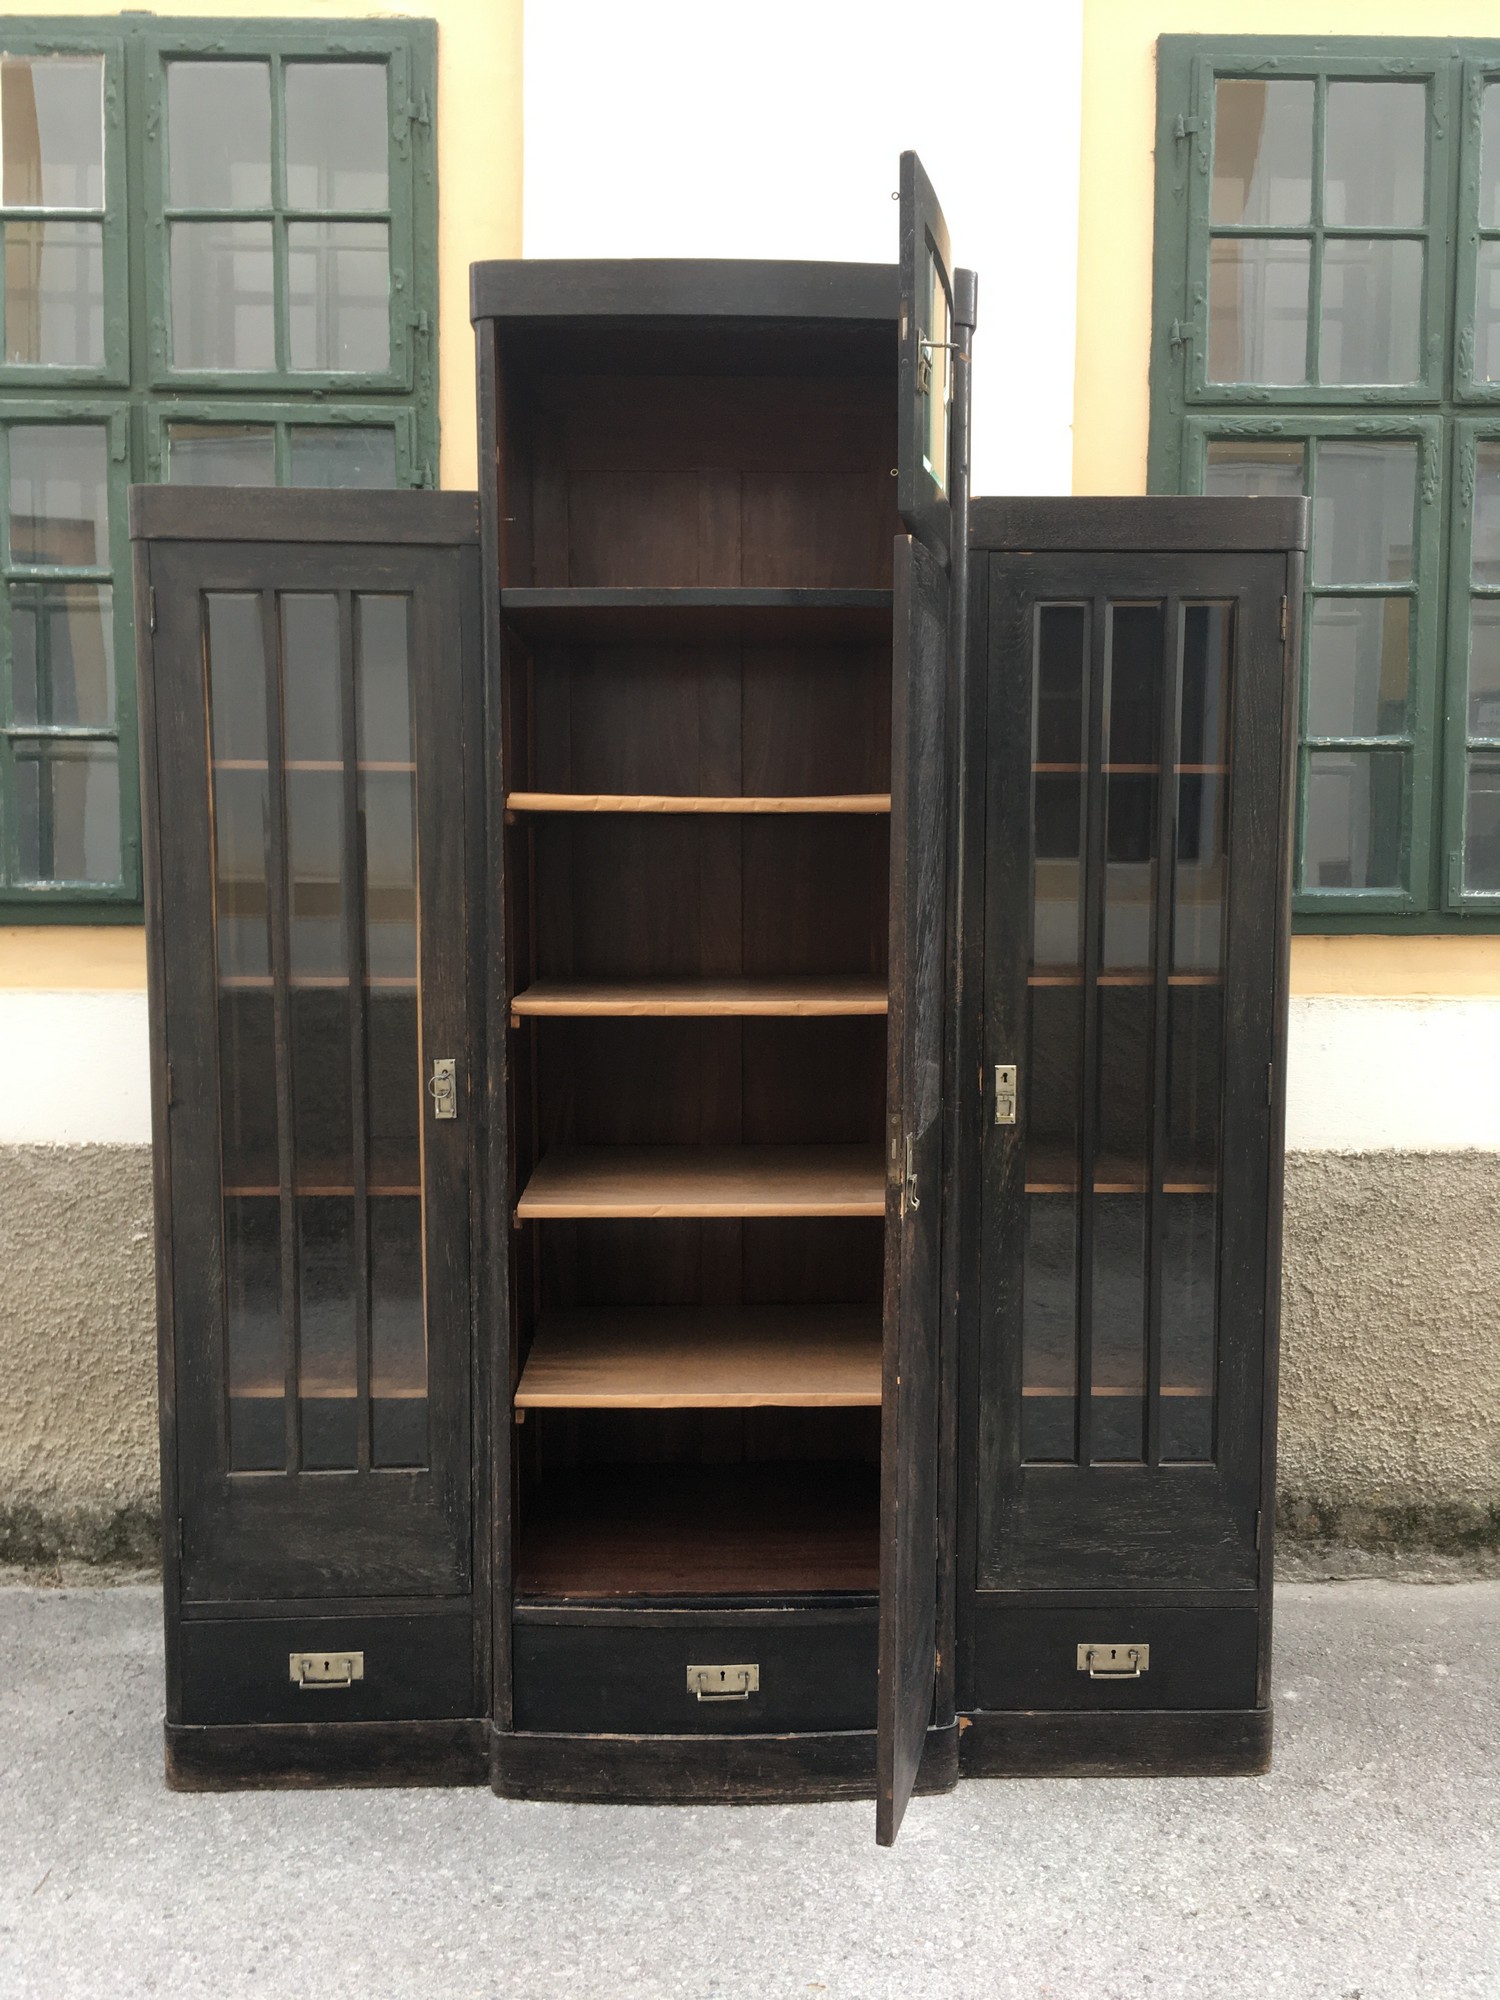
<point x="281" y="417"/>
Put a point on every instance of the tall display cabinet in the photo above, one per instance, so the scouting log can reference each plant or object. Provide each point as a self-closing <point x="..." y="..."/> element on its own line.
<point x="678" y="1280"/>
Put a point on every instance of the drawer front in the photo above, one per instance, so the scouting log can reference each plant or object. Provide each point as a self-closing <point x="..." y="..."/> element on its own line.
<point x="813" y="1673"/>
<point x="411" y="1669"/>
<point x="1027" y="1656"/>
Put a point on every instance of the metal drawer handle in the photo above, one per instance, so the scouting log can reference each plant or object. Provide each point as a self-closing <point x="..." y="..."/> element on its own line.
<point x="326" y="1670"/>
<point x="1114" y="1663"/>
<point x="723" y="1683"/>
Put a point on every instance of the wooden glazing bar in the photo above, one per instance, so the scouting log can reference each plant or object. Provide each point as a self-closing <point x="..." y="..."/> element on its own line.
<point x="1174" y="633"/>
<point x="354" y="939"/>
<point x="1094" y="847"/>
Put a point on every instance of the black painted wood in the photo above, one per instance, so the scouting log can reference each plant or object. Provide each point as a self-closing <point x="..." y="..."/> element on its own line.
<point x="1234" y="1743"/>
<point x="1163" y="524"/>
<point x="924" y="500"/>
<point x="297" y="514"/>
<point x="708" y="288"/>
<point x="415" y="1669"/>
<point x="301" y="1756"/>
<point x="1026" y="1653"/>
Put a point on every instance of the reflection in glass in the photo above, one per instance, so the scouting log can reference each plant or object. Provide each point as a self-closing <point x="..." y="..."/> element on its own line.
<point x="1482" y="827"/>
<point x="247" y="1087"/>
<point x="1354" y="819"/>
<point x="1132" y="738"/>
<point x="1489" y="159"/>
<point x="1358" y="654"/>
<point x="59" y="510"/>
<point x="322" y="1106"/>
<point x="1054" y="1051"/>
<point x="1118" y="1400"/>
<point x="936" y="328"/>
<point x="221" y="454"/>
<point x="1247" y="470"/>
<point x="343" y="455"/>
<point x="338" y="289"/>
<point x="395" y="1088"/>
<point x="1189" y="1316"/>
<point x="388" y="803"/>
<point x="398" y="1336"/>
<point x="1257" y="309"/>
<point x="219" y="134"/>
<point x="67" y="810"/>
<point x="1202" y="794"/>
<point x="1049" y="1329"/>
<point x="236" y="676"/>
<point x="256" y="1361"/>
<point x="315" y="872"/>
<point x="1364" y="511"/>
<point x="1486" y="541"/>
<point x="223" y="304"/>
<point x="1195" y="1027"/>
<point x="336" y="135"/>
<point x="313" y="726"/>
<point x="1262" y="151"/>
<point x="1059" y="736"/>
<point x="1484" y="667"/>
<point x="1371" y="328"/>
<point x="54" y="294"/>
<point x="241" y="796"/>
<point x="52" y="131"/>
<point x="1375" y="155"/>
<point x="327" y="1376"/>
<point x="62" y="653"/>
<point x="382" y="682"/>
<point x="1487" y="311"/>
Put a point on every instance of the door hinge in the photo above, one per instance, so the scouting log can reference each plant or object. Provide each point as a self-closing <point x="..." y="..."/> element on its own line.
<point x="151" y="608"/>
<point x="181" y="1538"/>
<point x="1270" y="1083"/>
<point x="1258" y="1519"/>
<point x="1182" y="333"/>
<point x="1186" y="128"/>
<point x="1286" y="618"/>
<point x="171" y="1087"/>
<point x="910" y="1199"/>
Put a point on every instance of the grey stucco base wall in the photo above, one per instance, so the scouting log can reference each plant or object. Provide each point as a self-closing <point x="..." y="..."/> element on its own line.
<point x="1390" y="1385"/>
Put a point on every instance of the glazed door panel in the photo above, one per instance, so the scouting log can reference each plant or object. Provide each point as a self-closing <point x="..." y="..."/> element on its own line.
<point x="926" y="473"/>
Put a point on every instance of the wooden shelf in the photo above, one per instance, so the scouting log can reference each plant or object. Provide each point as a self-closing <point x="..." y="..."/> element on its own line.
<point x="650" y="1182"/>
<point x="683" y="802"/>
<point x="851" y="995"/>
<point x="691" y="614"/>
<point x="688" y="1357"/>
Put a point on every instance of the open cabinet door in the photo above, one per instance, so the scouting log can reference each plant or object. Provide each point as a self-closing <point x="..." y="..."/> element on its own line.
<point x="911" y="1387"/>
<point x="924" y="467"/>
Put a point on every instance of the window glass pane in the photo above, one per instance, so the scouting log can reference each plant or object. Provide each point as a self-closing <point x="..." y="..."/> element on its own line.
<point x="1486" y="544"/>
<point x="398" y="1333"/>
<point x="1202" y="793"/>
<point x="1354" y="800"/>
<point x="52" y="131"/>
<point x="312" y="715"/>
<point x="1484" y="668"/>
<point x="1364" y="511"/>
<point x="1371" y="327"/>
<point x="223" y="307"/>
<point x="1262" y="151"/>
<point x="1487" y="311"/>
<point x="1059" y="739"/>
<point x="62" y="653"/>
<point x="326" y="1376"/>
<point x="1482" y="826"/>
<point x="1375" y="154"/>
<point x="59" y="508"/>
<point x="382" y="681"/>
<point x="241" y="787"/>
<point x="1132" y="747"/>
<point x="343" y="455"/>
<point x="338" y="281"/>
<point x="1358" y="656"/>
<point x="253" y="1338"/>
<point x="1257" y="309"/>
<point x="1489" y="159"/>
<point x="221" y="454"/>
<point x="219" y="134"/>
<point x="336" y="135"/>
<point x="68" y="800"/>
<point x="1250" y="471"/>
<point x="54" y="294"/>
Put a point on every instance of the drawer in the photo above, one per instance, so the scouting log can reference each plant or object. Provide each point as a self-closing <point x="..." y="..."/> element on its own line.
<point x="413" y="1669"/>
<point x="626" y="1673"/>
<point x="1026" y="1656"/>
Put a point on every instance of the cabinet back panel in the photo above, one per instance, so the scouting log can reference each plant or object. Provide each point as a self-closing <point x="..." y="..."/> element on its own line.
<point x="762" y="1261"/>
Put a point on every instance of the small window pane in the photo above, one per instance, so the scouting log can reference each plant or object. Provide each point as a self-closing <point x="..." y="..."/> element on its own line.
<point x="1487" y="311"/>
<point x="1484" y="668"/>
<point x="255" y="1355"/>
<point x="1354" y="814"/>
<point x="52" y="131"/>
<point x="1482" y="827"/>
<point x="338" y="279"/>
<point x="1257" y="310"/>
<point x="1489" y="159"/>
<point x="54" y="294"/>
<point x="219" y="134"/>
<point x="1364" y="512"/>
<point x="1486" y="546"/>
<point x="382" y="679"/>
<point x="1357" y="666"/>
<point x="59" y="509"/>
<point x="343" y="455"/>
<point x="68" y="800"/>
<point x="337" y="143"/>
<point x="1262" y="151"/>
<point x="1371" y="328"/>
<point x="1375" y="155"/>
<point x="1253" y="471"/>
<point x="62" y="654"/>
<point x="223" y="308"/>
<point x="221" y="455"/>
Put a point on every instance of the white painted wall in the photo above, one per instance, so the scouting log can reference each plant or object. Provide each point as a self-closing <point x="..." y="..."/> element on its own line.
<point x="681" y="128"/>
<point x="74" y="1069"/>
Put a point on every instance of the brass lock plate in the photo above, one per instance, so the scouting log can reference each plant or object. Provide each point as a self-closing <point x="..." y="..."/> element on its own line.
<point x="1005" y="1093"/>
<point x="327" y="1670"/>
<point x="736" y="1683"/>
<point x="1114" y="1663"/>
<point x="442" y="1087"/>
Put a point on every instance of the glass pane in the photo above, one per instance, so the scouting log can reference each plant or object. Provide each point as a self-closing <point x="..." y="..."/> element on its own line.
<point x="1195" y="1029"/>
<point x="221" y="455"/>
<point x="219" y="134"/>
<point x="1250" y="471"/>
<point x="381" y="679"/>
<point x="54" y="294"/>
<point x="1059" y="738"/>
<point x="398" y="1336"/>
<point x="1132" y="745"/>
<point x="1049" y="1335"/>
<point x="1364" y="512"/>
<point x="322" y="1114"/>
<point x="1202" y="788"/>
<point x="395" y="1088"/>
<point x="1118" y="1387"/>
<point x="388" y="803"/>
<point x="1354" y="819"/>
<point x="237" y="684"/>
<point x="223" y="302"/>
<point x="336" y="135"/>
<point x="1489" y="159"/>
<point x="1188" y="1326"/>
<point x="1375" y="155"/>
<point x="1486" y="544"/>
<point x="52" y="131"/>
<point x="59" y="506"/>
<point x="338" y="284"/>
<point x="241" y="786"/>
<point x="68" y="805"/>
<point x="313" y="725"/>
<point x="327" y="1375"/>
<point x="1487" y="311"/>
<point x="62" y="653"/>
<point x="1482" y="826"/>
<point x="1257" y="309"/>
<point x="936" y="326"/>
<point x="1371" y="328"/>
<point x="252" y="1299"/>
<point x="1262" y="151"/>
<point x="1484" y="668"/>
<point x="1358" y="654"/>
<point x="1055" y="1042"/>
<point x="315" y="872"/>
<point x="343" y="455"/>
<point x="247" y="1087"/>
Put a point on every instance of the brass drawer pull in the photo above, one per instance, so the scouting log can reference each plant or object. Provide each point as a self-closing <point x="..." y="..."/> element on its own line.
<point x="1114" y="1663"/>
<point x="327" y="1670"/>
<point x="723" y="1683"/>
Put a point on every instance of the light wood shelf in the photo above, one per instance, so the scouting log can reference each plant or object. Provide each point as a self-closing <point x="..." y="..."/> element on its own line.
<point x="689" y="1357"/>
<point x="652" y="1182"/>
<point x="686" y="802"/>
<point x="701" y="996"/>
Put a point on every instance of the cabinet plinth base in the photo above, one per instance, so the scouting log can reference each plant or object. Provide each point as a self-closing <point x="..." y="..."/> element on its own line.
<point x="704" y="1770"/>
<point x="1144" y="1743"/>
<point x="266" y="1756"/>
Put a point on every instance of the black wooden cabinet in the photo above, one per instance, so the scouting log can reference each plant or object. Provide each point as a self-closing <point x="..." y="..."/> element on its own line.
<point x="612" y="1338"/>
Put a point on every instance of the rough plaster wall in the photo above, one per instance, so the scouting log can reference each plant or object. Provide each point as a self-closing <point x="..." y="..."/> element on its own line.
<point x="78" y="1458"/>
